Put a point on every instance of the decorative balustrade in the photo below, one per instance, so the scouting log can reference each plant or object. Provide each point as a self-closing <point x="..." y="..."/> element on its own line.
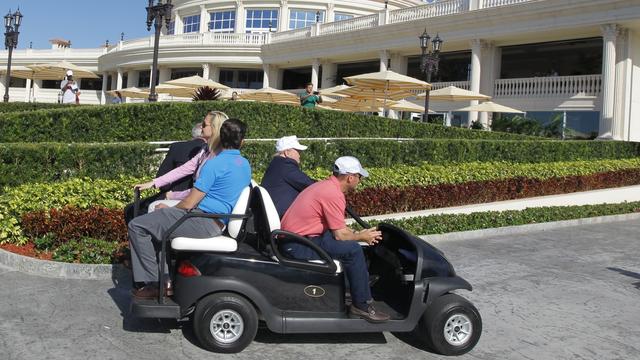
<point x="439" y="8"/>
<point x="496" y="3"/>
<point x="582" y="85"/>
<point x="460" y="84"/>
<point x="295" y="34"/>
<point x="358" y="23"/>
<point x="196" y="39"/>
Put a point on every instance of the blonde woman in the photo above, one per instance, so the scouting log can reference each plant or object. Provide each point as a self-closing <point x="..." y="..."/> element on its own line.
<point x="210" y="126"/>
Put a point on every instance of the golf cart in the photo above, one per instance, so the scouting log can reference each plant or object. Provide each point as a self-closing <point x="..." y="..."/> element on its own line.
<point x="229" y="283"/>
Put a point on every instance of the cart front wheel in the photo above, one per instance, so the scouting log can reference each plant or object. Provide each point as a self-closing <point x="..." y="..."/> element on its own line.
<point x="450" y="326"/>
<point x="225" y="322"/>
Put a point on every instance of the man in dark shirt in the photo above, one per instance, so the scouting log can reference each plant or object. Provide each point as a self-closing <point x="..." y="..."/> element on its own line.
<point x="283" y="179"/>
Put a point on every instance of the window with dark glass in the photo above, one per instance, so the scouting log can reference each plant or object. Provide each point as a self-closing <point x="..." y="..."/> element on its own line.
<point x="226" y="78"/>
<point x="222" y="21"/>
<point x="261" y="20"/>
<point x="171" y="28"/>
<point x="51" y="84"/>
<point x="91" y="84"/>
<point x="191" y="24"/>
<point x="17" y="82"/>
<point x="250" y="79"/>
<point x="178" y="73"/>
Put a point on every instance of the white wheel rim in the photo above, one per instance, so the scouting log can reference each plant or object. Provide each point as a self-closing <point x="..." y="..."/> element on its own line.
<point x="458" y="330"/>
<point x="226" y="326"/>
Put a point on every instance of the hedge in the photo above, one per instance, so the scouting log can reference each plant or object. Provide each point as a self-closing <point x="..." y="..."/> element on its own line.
<point x="44" y="162"/>
<point x="21" y="106"/>
<point x="173" y="121"/>
<point x="441" y="224"/>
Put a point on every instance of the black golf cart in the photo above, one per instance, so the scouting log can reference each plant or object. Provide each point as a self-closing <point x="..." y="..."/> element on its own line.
<point x="229" y="283"/>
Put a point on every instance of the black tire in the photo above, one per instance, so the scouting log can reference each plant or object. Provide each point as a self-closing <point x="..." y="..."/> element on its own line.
<point x="233" y="313"/>
<point x="460" y="314"/>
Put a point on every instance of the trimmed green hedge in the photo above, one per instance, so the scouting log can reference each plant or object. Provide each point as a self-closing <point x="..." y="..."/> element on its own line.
<point x="21" y="106"/>
<point x="441" y="224"/>
<point x="173" y="121"/>
<point x="44" y="162"/>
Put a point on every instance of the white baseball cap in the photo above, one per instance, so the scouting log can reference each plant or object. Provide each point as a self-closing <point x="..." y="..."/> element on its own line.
<point x="289" y="142"/>
<point x="349" y="165"/>
<point x="69" y="73"/>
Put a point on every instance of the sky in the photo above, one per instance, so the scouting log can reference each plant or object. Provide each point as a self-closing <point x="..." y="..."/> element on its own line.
<point x="87" y="23"/>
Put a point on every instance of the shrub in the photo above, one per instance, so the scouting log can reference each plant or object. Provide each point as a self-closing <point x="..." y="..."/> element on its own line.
<point x="46" y="162"/>
<point x="70" y="223"/>
<point x="20" y="106"/>
<point x="173" y="121"/>
<point x="440" y="224"/>
<point x="88" y="251"/>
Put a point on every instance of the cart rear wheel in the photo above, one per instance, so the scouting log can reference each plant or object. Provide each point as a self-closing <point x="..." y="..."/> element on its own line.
<point x="225" y="322"/>
<point x="450" y="326"/>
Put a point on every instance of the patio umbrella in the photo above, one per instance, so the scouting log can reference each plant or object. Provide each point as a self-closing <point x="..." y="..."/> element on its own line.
<point x="332" y="90"/>
<point x="388" y="80"/>
<point x="452" y="93"/>
<point x="132" y="92"/>
<point x="196" y="82"/>
<point x="18" y="71"/>
<point x="361" y="105"/>
<point x="404" y="105"/>
<point x="57" y="71"/>
<point x="173" y="90"/>
<point x="269" y="94"/>
<point x="373" y="93"/>
<point x="491" y="107"/>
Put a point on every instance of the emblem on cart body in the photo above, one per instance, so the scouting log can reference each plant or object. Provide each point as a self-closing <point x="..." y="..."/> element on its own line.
<point x="314" y="291"/>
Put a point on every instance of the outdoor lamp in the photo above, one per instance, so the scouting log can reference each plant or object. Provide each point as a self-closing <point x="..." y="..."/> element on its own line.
<point x="157" y="12"/>
<point x="17" y="18"/>
<point x="437" y="43"/>
<point x="8" y="19"/>
<point x="11" y="23"/>
<point x="424" y="40"/>
<point x="429" y="62"/>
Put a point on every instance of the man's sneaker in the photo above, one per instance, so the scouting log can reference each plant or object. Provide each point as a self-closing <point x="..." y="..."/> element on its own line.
<point x="371" y="315"/>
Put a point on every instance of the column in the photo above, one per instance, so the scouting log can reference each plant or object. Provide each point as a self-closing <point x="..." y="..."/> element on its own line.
<point x="487" y="75"/>
<point x="283" y="21"/>
<point x="205" y="71"/>
<point x="609" y="34"/>
<point x="132" y="78"/>
<point x="476" y="50"/>
<point x="240" y="16"/>
<point x="214" y="73"/>
<point x="329" y="74"/>
<point x="265" y="79"/>
<point x="103" y="93"/>
<point x="27" y="96"/>
<point x="399" y="64"/>
<point x="119" y="79"/>
<point x="622" y="96"/>
<point x="330" y="15"/>
<point x="179" y="25"/>
<point x="384" y="60"/>
<point x="37" y="85"/>
<point x="204" y="19"/>
<point x="315" y="71"/>
<point x="165" y="74"/>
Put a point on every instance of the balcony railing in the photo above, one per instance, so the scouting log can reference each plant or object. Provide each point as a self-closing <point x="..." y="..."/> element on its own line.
<point x="439" y="8"/>
<point x="294" y="34"/>
<point x="496" y="3"/>
<point x="358" y="23"/>
<point x="191" y="39"/>
<point x="460" y="84"/>
<point x="582" y="85"/>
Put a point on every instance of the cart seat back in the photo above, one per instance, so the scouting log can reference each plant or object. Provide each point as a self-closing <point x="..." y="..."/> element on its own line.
<point x="222" y="243"/>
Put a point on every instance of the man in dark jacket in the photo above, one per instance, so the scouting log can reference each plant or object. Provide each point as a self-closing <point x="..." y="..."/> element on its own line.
<point x="179" y="153"/>
<point x="283" y="179"/>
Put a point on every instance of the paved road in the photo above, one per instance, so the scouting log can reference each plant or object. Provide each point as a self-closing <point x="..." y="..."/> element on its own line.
<point x="570" y="293"/>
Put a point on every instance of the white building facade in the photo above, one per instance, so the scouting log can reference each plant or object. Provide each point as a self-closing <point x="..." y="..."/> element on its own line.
<point x="579" y="57"/>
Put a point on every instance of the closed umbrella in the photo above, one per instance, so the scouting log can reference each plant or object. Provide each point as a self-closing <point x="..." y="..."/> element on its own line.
<point x="57" y="71"/>
<point x="196" y="82"/>
<point x="269" y="94"/>
<point x="452" y="93"/>
<point x="491" y="107"/>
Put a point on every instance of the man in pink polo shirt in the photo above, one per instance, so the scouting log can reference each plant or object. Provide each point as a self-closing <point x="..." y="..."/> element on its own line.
<point x="318" y="213"/>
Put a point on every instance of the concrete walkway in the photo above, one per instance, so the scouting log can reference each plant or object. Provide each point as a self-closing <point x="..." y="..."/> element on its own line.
<point x="604" y="196"/>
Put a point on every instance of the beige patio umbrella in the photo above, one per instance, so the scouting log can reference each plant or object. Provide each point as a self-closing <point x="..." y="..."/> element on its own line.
<point x="404" y="105"/>
<point x="132" y="92"/>
<point x="361" y="105"/>
<point x="196" y="82"/>
<point x="452" y="93"/>
<point x="332" y="90"/>
<point x="57" y="71"/>
<point x="173" y="90"/>
<point x="388" y="80"/>
<point x="269" y="94"/>
<point x="491" y="107"/>
<point x="18" y="71"/>
<point x="373" y="93"/>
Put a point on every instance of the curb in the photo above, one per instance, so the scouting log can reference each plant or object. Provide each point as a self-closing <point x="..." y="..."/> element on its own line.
<point x="55" y="269"/>
<point x="522" y="229"/>
<point x="62" y="270"/>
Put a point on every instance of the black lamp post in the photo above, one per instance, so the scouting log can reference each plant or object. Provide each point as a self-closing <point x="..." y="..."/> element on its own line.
<point x="429" y="63"/>
<point x="157" y="12"/>
<point x="11" y="24"/>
